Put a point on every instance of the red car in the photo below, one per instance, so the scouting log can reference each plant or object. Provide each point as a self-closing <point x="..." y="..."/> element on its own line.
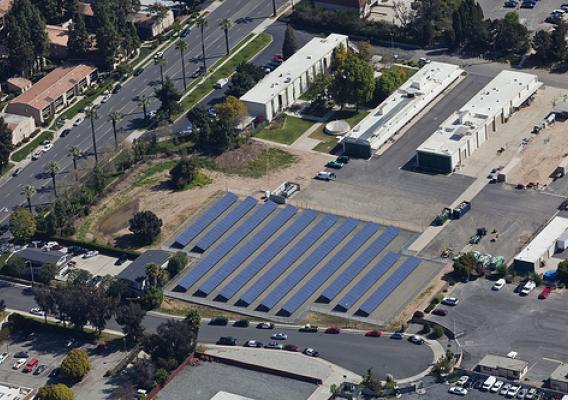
<point x="291" y="347"/>
<point x="374" y="334"/>
<point x="277" y="58"/>
<point x="31" y="365"/>
<point x="333" y="330"/>
<point x="545" y="293"/>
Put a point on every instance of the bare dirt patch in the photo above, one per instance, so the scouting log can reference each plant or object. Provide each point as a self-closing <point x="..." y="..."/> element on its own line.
<point x="117" y="220"/>
<point x="237" y="158"/>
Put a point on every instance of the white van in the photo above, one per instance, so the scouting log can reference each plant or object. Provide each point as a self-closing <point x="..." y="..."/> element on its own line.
<point x="499" y="284"/>
<point x="325" y="176"/>
<point x="221" y="83"/>
<point x="529" y="287"/>
<point x="489" y="382"/>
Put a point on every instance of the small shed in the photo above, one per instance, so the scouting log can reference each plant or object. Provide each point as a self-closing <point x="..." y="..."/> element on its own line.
<point x="562" y="241"/>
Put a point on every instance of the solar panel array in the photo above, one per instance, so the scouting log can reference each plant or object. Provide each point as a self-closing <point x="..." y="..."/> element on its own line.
<point x="309" y="263"/>
<point x="221" y="251"/>
<point x="260" y="261"/>
<point x="245" y="251"/>
<point x="288" y="259"/>
<point x="225" y="224"/>
<point x="330" y="268"/>
<point x="365" y="283"/>
<point x="393" y="281"/>
<point x="354" y="269"/>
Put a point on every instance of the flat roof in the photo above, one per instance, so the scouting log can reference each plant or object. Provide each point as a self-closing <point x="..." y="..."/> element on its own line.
<point x="57" y="35"/>
<point x="560" y="374"/>
<point x="505" y="88"/>
<point x="14" y="118"/>
<point x="229" y="396"/>
<point x="407" y="101"/>
<point x="544" y="240"/>
<point x="53" y="85"/>
<point x="279" y="79"/>
<point x="495" y="361"/>
<point x="20" y="82"/>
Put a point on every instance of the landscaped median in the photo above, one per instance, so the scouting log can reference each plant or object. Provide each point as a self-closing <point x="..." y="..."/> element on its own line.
<point x="22" y="153"/>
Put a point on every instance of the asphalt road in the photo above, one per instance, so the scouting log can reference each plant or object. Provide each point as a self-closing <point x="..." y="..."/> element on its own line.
<point x="250" y="13"/>
<point x="354" y="352"/>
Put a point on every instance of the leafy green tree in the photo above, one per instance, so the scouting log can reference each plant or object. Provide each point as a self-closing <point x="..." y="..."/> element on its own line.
<point x="562" y="271"/>
<point x="76" y="365"/>
<point x="370" y="381"/>
<point x="354" y="82"/>
<point x="465" y="265"/>
<point x="510" y="36"/>
<point x="542" y="45"/>
<point x="177" y="263"/>
<point x="58" y="391"/>
<point x="22" y="225"/>
<point x="193" y="319"/>
<point x="161" y="376"/>
<point x="172" y="343"/>
<point x="130" y="316"/>
<point x="318" y="91"/>
<point x="183" y="173"/>
<point x="5" y="144"/>
<point x="102" y="307"/>
<point x="245" y="78"/>
<point x="441" y="366"/>
<point x="469" y="27"/>
<point x="437" y="332"/>
<point x="78" y="43"/>
<point x="389" y="81"/>
<point x="431" y="18"/>
<point x="44" y="298"/>
<point x="145" y="226"/>
<point x="169" y="97"/>
<point x="231" y="109"/>
<point x="51" y="10"/>
<point x="153" y="297"/>
<point x="559" y="50"/>
<point x="48" y="272"/>
<point x="16" y="266"/>
<point x="366" y="51"/>
<point x="290" y="45"/>
<point x="502" y="270"/>
<point x="108" y="37"/>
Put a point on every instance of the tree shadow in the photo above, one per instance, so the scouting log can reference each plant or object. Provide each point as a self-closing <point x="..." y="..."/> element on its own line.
<point x="127" y="241"/>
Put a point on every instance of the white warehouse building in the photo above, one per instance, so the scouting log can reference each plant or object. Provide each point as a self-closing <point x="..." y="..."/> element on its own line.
<point x="467" y="129"/>
<point x="399" y="108"/>
<point x="283" y="86"/>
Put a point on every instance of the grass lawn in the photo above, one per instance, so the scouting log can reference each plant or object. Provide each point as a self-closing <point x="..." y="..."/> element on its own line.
<point x="287" y="132"/>
<point x="87" y="100"/>
<point x="271" y="159"/>
<point x="200" y="180"/>
<point x="147" y="177"/>
<point x="22" y="153"/>
<point x="328" y="142"/>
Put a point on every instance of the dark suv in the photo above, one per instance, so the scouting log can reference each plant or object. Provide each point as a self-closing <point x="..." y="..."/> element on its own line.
<point x="227" y="341"/>
<point x="219" y="321"/>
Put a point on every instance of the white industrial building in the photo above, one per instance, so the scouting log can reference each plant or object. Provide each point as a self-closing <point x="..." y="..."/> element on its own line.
<point x="283" y="86"/>
<point x="467" y="129"/>
<point x="543" y="246"/>
<point x="399" y="108"/>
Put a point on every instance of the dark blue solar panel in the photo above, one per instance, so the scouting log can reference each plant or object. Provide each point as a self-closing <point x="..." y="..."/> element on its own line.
<point x="365" y="283"/>
<point x="221" y="251"/>
<point x="309" y="263"/>
<point x="245" y="251"/>
<point x="389" y="286"/>
<point x="206" y="219"/>
<point x="354" y="269"/>
<point x="288" y="259"/>
<point x="226" y="223"/>
<point x="330" y="268"/>
<point x="268" y="254"/>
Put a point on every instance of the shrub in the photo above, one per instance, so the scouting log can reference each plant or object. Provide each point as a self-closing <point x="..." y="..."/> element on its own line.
<point x="437" y="332"/>
<point x="429" y="308"/>
<point x="418" y="314"/>
<point x="426" y="329"/>
<point x="76" y="365"/>
<point x="161" y="376"/>
<point x="56" y="392"/>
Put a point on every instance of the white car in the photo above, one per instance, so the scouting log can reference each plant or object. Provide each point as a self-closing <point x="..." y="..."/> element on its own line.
<point x="528" y="287"/>
<point x="37" y="311"/>
<point x="19" y="363"/>
<point x="512" y="354"/>
<point x="159" y="54"/>
<point x="3" y="357"/>
<point x="90" y="254"/>
<point x="36" y="154"/>
<point x="457" y="390"/>
<point x="497" y="386"/>
<point x="499" y="284"/>
<point x="522" y="393"/>
<point x="531" y="394"/>
<point x="78" y="121"/>
<point x="513" y="391"/>
<point x="105" y="98"/>
<point x="450" y="301"/>
<point x="221" y="83"/>
<point x="463" y="380"/>
<point x="505" y="389"/>
<point x="279" y="336"/>
<point x="416" y="339"/>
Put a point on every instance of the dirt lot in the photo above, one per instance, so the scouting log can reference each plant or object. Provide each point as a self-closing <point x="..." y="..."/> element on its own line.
<point x="108" y="222"/>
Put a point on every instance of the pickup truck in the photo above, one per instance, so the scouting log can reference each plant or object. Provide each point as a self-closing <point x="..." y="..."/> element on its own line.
<point x="308" y="328"/>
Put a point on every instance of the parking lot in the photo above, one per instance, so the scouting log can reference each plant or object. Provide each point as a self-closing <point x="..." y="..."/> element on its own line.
<point x="532" y="18"/>
<point x="100" y="265"/>
<point x="498" y="322"/>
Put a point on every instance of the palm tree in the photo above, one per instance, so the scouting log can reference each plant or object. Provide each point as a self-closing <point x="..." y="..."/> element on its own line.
<point x="161" y="62"/>
<point x="75" y="152"/>
<point x="202" y="23"/>
<point x="92" y="114"/>
<point x="226" y="24"/>
<point x="114" y="117"/>
<point x="161" y="12"/>
<point x="29" y="191"/>
<point x="274" y="7"/>
<point x="52" y="169"/>
<point x="182" y="47"/>
<point x="143" y="102"/>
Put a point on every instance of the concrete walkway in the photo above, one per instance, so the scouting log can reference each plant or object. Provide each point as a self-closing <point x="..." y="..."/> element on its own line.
<point x="304" y="142"/>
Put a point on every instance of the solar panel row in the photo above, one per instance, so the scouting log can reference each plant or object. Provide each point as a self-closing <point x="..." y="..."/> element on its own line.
<point x="227" y="245"/>
<point x="288" y="259"/>
<point x="364" y="284"/>
<point x="225" y="224"/>
<point x="393" y="281"/>
<point x="245" y="251"/>
<point x="206" y="219"/>
<point x="330" y="268"/>
<point x="309" y="263"/>
<point x="354" y="269"/>
<point x="260" y="261"/>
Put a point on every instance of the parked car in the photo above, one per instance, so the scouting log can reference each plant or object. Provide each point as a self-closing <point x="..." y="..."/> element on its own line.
<point x="54" y="373"/>
<point x="450" y="301"/>
<point x="158" y="55"/>
<point x="291" y="347"/>
<point x="499" y="284"/>
<point x="528" y="4"/>
<point x="221" y="83"/>
<point x="505" y="389"/>
<point x="3" y="357"/>
<point x="279" y="336"/>
<point x="91" y="253"/>
<point x="31" y="365"/>
<point x="310" y="352"/>
<point x="227" y="341"/>
<point x="527" y="288"/>
<point x="40" y="369"/>
<point x="252" y="343"/>
<point x="265" y="325"/>
<point x="308" y="328"/>
<point x="274" y="346"/>
<point x="440" y="311"/>
<point x="513" y="391"/>
<point x="36" y="154"/>
<point x="21" y="354"/>
<point x="138" y="71"/>
<point x="334" y="164"/>
<point x="522" y="393"/>
<point x="78" y="121"/>
<point x="17" y="171"/>
<point x="117" y="88"/>
<point x="397" y="336"/>
<point x="545" y="293"/>
<point x="497" y="387"/>
<point x="457" y="390"/>
<point x="278" y="58"/>
<point x="212" y="112"/>
<point x="531" y="394"/>
<point x="105" y="98"/>
<point x="342" y="159"/>
<point x="333" y="330"/>
<point x="19" y="363"/>
<point x="325" y="176"/>
<point x="37" y="311"/>
<point x="65" y="132"/>
<point x="510" y="4"/>
<point x="374" y="333"/>
<point x="416" y="339"/>
<point x="121" y="259"/>
<point x="223" y="321"/>
<point x="185" y="32"/>
<point x="241" y="323"/>
<point x="463" y="380"/>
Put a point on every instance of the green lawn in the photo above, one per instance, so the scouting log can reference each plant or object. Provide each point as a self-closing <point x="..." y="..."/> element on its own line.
<point x="269" y="160"/>
<point x="329" y="142"/>
<point x="22" y="153"/>
<point x="200" y="180"/>
<point x="147" y="177"/>
<point x="287" y="132"/>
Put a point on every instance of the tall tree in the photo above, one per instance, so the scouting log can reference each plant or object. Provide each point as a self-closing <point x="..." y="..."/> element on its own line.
<point x="144" y="101"/>
<point x="510" y="36"/>
<point x="93" y="114"/>
<point x="29" y="191"/>
<point x="51" y="10"/>
<point x="22" y="225"/>
<point x="114" y="117"/>
<point x="225" y="25"/>
<point x="290" y="45"/>
<point x="6" y="145"/>
<point x="542" y="44"/>
<point x="74" y="152"/>
<point x="202" y="23"/>
<point x="146" y="226"/>
<point x="108" y="37"/>
<point x="354" y="82"/>
<point x="559" y="49"/>
<point x="45" y="300"/>
<point x="52" y="168"/>
<point x="469" y="27"/>
<point x="160" y="62"/>
<point x="129" y="317"/>
<point x="78" y="43"/>
<point x="182" y="47"/>
<point x="169" y="97"/>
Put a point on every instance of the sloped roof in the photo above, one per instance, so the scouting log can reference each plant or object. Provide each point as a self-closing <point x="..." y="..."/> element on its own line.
<point x="346" y="3"/>
<point x="137" y="269"/>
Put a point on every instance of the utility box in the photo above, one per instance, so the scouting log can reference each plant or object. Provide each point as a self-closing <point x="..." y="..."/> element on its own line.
<point x="284" y="192"/>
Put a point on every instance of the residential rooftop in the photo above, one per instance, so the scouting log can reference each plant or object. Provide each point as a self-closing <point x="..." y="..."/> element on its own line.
<point x="495" y="361"/>
<point x="57" y="35"/>
<point x="137" y="268"/>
